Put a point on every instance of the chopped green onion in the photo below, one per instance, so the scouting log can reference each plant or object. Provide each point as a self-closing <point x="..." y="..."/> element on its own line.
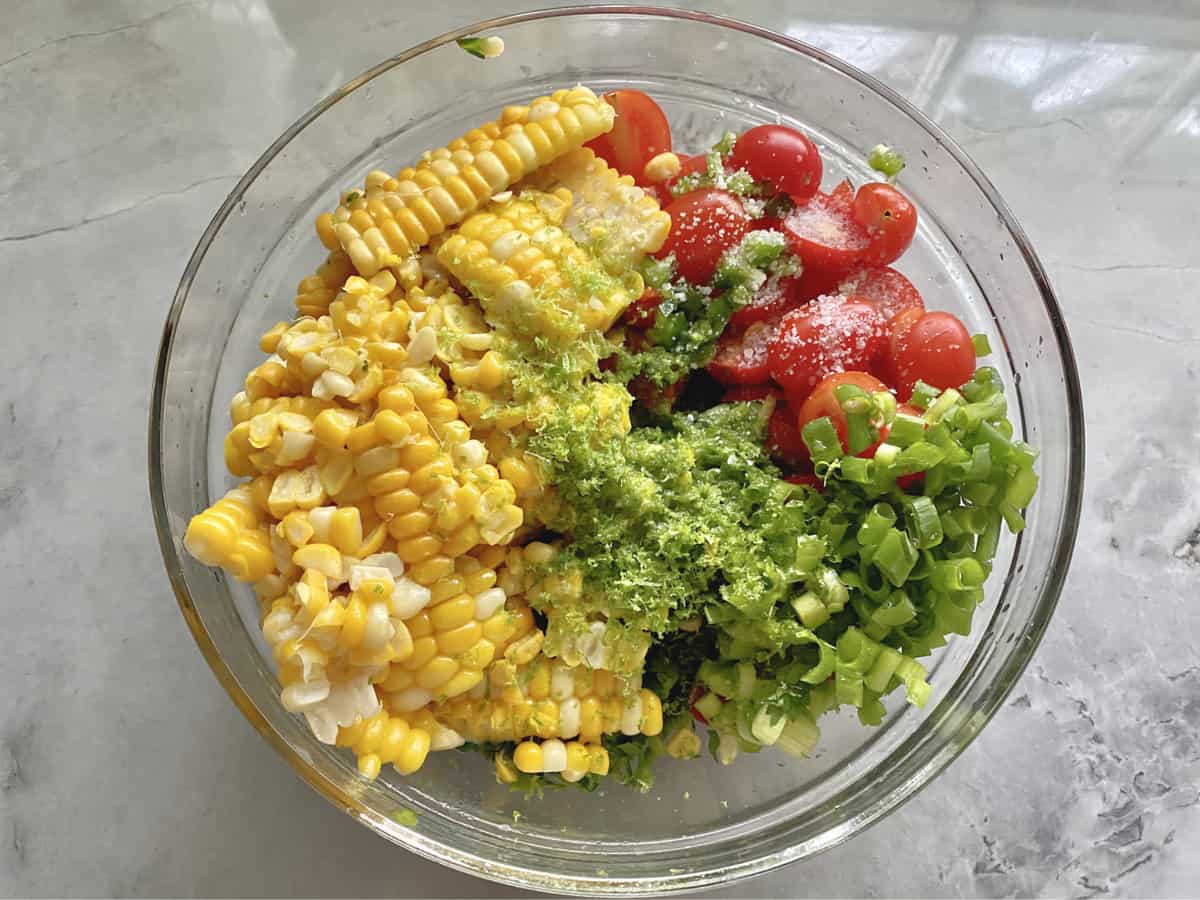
<point x="885" y="160"/>
<point x="822" y="440"/>
<point x="709" y="705"/>
<point x="882" y="670"/>
<point x="858" y="470"/>
<point x="1021" y="488"/>
<point x="923" y="523"/>
<point x="826" y="662"/>
<point x="1012" y="518"/>
<point x="906" y="430"/>
<point x="482" y="47"/>
<point x="809" y="551"/>
<point x="923" y="395"/>
<point x="957" y="574"/>
<point x="871" y="712"/>
<point x="912" y="675"/>
<point x="897" y="610"/>
<point x="812" y="612"/>
<point x="918" y="457"/>
<point x="886" y="455"/>
<point x="878" y="520"/>
<point x="942" y="405"/>
<point x="799" y="737"/>
<point x="1022" y="455"/>
<point x="980" y="342"/>
<point x="745" y="680"/>
<point x="895" y="556"/>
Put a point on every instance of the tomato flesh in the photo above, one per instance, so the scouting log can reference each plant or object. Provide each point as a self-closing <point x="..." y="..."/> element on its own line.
<point x="884" y="288"/>
<point x="823" y="402"/>
<point x="782" y="157"/>
<point x="640" y="132"/>
<point x="934" y="347"/>
<point x="775" y="297"/>
<point x="704" y="224"/>
<point x="743" y="357"/>
<point x="825" y="235"/>
<point x="784" y="441"/>
<point x="889" y="220"/>
<point x="643" y="311"/>
<point x="828" y="335"/>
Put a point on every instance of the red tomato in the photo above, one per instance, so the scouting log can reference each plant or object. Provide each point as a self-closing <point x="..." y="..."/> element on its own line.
<point x="889" y="219"/>
<point x="780" y="156"/>
<point x="784" y="441"/>
<point x="814" y="283"/>
<point x="826" y="336"/>
<point x="689" y="165"/>
<point x="935" y="348"/>
<point x="639" y="134"/>
<point x="825" y="235"/>
<point x="774" y="298"/>
<point x="697" y="693"/>
<point x="742" y="357"/>
<point x="704" y="224"/>
<point x="811" y="481"/>
<point x="660" y="192"/>
<point x="885" y="289"/>
<point x="843" y="192"/>
<point x="823" y="402"/>
<point x="896" y="327"/>
<point x="642" y="312"/>
<point x="747" y="393"/>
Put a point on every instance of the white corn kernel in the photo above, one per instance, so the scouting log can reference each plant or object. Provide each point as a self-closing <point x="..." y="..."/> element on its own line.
<point x="568" y="717"/>
<point x="488" y="602"/>
<point x="409" y="598"/>
<point x="470" y="454"/>
<point x="364" y="572"/>
<point x="631" y="716"/>
<point x="300" y="697"/>
<point x="445" y="739"/>
<point x="554" y="755"/>
<point x="378" y="629"/>
<point x="411" y="699"/>
<point x="542" y="109"/>
<point x="390" y="561"/>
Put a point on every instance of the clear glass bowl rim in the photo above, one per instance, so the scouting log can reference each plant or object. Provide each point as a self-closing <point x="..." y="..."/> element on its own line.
<point x="869" y="811"/>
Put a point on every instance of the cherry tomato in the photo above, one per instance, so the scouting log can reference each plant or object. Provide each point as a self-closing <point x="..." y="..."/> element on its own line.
<point x="639" y="133"/>
<point x="935" y="348"/>
<point x="704" y="224"/>
<point x="825" y="235"/>
<point x="814" y="283"/>
<point x="642" y="312"/>
<point x="780" y="156"/>
<point x="775" y="297"/>
<point x="885" y="289"/>
<point x="811" y="481"/>
<point x="742" y="356"/>
<point x="895" y="328"/>
<point x="689" y="165"/>
<point x="747" y="393"/>
<point x="784" y="441"/>
<point x="823" y="402"/>
<point x="843" y="192"/>
<point x="889" y="219"/>
<point x="826" y="336"/>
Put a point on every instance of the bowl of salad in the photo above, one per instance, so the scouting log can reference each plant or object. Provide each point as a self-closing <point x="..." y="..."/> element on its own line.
<point x="615" y="450"/>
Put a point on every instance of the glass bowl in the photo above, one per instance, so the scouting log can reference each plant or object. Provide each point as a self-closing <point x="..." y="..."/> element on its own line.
<point x="702" y="824"/>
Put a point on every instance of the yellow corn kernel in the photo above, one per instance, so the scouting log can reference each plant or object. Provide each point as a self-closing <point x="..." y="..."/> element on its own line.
<point x="598" y="760"/>
<point x="463" y="681"/>
<point x="323" y="557"/>
<point x="332" y="427"/>
<point x="345" y="529"/>
<point x="453" y="613"/>
<point x="578" y="758"/>
<point x="652" y="714"/>
<point x="436" y="672"/>
<point x="354" y="626"/>
<point x="405" y="526"/>
<point x="604" y="683"/>
<point x="480" y="654"/>
<point x="424" y="649"/>
<point x="417" y="549"/>
<point x="396" y="398"/>
<point x="372" y="543"/>
<point x="391" y="426"/>
<point x="363" y="438"/>
<point x="415" y="749"/>
<point x="527" y="757"/>
<point x="419" y="625"/>
<point x="456" y="641"/>
<point x="538" y="686"/>
<point x="591" y="720"/>
<point x="396" y="504"/>
<point x="661" y="167"/>
<point x="397" y="679"/>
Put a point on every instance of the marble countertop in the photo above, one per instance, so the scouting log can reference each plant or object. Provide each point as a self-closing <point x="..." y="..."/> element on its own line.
<point x="124" y="768"/>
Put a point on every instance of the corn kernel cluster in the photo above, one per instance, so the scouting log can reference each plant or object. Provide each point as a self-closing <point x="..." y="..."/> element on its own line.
<point x="387" y="489"/>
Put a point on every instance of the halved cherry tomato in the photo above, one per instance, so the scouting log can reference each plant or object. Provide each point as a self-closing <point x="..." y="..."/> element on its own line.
<point x="825" y="235"/>
<point x="742" y="357"/>
<point x="747" y="393"/>
<point x="704" y="224"/>
<point x="935" y="348"/>
<point x="784" y="441"/>
<point x="642" y="312"/>
<point x="889" y="219"/>
<point x="884" y="288"/>
<point x="828" y="335"/>
<point x="843" y="192"/>
<point x="781" y="156"/>
<point x="639" y="133"/>
<point x="895" y="328"/>
<point x="823" y="402"/>
<point x="689" y="165"/>
<point x="811" y="481"/>
<point x="814" y="283"/>
<point x="775" y="297"/>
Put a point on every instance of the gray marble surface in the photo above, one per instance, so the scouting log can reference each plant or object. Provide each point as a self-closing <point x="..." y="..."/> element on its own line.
<point x="124" y="768"/>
